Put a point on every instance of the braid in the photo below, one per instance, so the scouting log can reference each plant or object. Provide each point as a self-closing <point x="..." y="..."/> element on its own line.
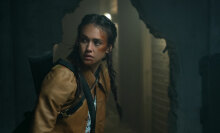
<point x="79" y="89"/>
<point x="75" y="60"/>
<point x="112" y="75"/>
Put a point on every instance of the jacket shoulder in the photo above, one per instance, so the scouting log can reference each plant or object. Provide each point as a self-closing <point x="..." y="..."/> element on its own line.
<point x="59" y="83"/>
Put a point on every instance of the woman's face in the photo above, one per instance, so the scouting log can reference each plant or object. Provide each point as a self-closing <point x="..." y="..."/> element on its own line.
<point x="93" y="45"/>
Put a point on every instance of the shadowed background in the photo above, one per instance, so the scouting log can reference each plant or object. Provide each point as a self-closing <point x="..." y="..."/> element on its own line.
<point x="167" y="61"/>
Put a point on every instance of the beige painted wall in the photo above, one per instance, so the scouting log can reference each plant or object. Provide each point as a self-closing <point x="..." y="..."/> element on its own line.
<point x="134" y="68"/>
<point x="136" y="47"/>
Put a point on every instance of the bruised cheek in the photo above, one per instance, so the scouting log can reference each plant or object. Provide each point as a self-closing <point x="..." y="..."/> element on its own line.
<point x="102" y="48"/>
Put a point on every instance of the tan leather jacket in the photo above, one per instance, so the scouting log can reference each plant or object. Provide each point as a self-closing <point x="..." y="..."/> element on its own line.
<point x="58" y="91"/>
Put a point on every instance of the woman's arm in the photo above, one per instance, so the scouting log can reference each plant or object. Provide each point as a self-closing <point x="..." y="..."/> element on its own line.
<point x="57" y="87"/>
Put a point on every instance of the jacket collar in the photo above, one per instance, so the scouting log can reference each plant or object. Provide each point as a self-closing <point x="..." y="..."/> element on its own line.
<point x="104" y="79"/>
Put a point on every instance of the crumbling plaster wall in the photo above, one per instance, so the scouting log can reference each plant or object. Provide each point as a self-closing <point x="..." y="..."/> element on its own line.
<point x="191" y="29"/>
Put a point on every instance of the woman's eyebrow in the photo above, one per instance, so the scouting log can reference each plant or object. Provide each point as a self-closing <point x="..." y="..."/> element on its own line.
<point x="97" y="40"/>
<point x="84" y="36"/>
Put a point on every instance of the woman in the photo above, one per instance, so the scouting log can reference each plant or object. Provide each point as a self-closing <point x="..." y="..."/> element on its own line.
<point x="61" y="88"/>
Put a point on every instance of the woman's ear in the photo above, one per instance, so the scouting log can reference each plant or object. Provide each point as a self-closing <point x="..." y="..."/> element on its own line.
<point x="109" y="49"/>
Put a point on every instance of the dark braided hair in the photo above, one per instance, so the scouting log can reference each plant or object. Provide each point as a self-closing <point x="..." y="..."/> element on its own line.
<point x="109" y="27"/>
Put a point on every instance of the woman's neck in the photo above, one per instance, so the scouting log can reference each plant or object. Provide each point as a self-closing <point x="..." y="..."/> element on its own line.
<point x="94" y="67"/>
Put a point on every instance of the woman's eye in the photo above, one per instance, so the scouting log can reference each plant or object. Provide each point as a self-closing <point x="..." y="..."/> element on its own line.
<point x="97" y="42"/>
<point x="83" y="40"/>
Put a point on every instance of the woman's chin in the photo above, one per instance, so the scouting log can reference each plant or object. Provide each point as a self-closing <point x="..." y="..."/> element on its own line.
<point x="88" y="62"/>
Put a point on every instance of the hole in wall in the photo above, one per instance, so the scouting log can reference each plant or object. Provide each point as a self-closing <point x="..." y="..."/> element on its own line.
<point x="143" y="67"/>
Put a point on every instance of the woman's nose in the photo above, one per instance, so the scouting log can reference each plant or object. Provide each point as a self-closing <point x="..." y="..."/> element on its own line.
<point x="89" y="46"/>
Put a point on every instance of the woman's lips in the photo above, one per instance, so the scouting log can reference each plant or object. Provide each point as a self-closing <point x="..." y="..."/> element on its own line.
<point x="88" y="57"/>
